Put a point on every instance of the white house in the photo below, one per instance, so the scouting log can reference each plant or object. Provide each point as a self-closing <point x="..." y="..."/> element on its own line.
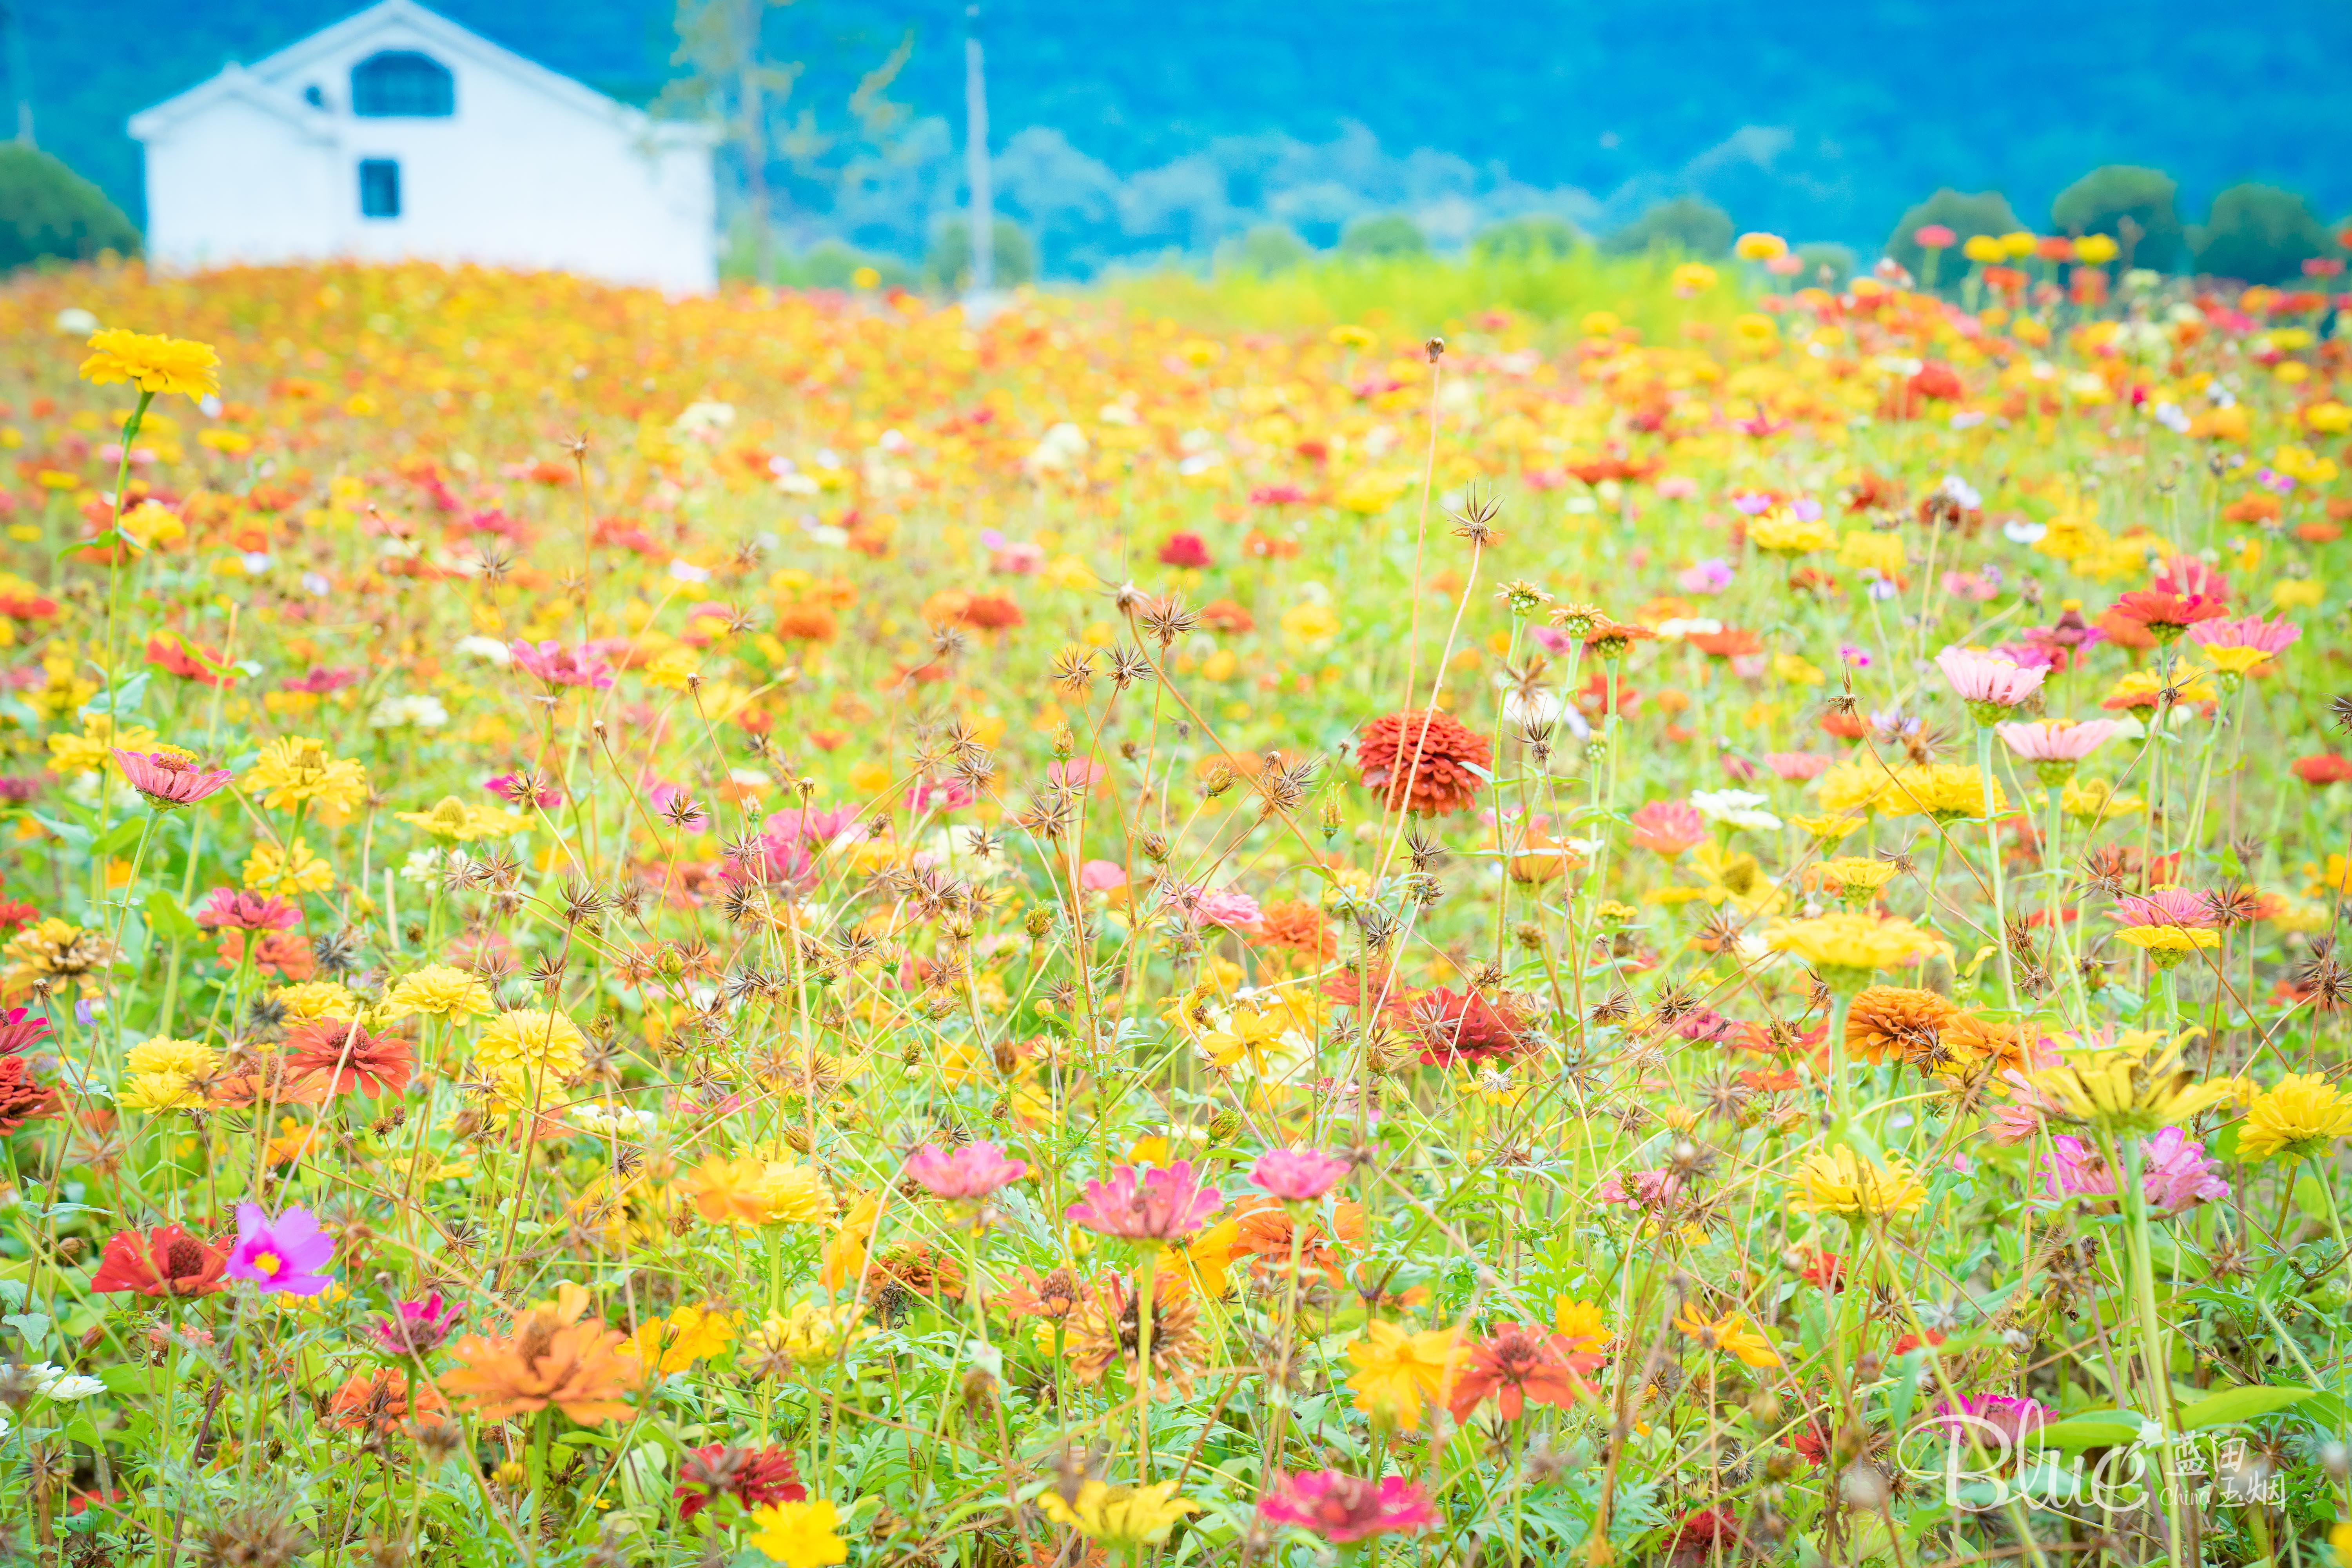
<point x="396" y="133"/>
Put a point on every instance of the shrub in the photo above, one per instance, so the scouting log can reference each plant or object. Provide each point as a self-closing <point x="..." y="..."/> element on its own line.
<point x="2259" y="234"/>
<point x="1686" y="223"/>
<point x="1967" y="215"/>
<point x="1268" y="248"/>
<point x="1528" y="237"/>
<point x="2107" y="199"/>
<point x="949" y="265"/>
<point x="1383" y="235"/>
<point x="49" y="213"/>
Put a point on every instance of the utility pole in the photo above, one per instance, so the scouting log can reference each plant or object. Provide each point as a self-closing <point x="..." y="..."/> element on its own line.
<point x="975" y="157"/>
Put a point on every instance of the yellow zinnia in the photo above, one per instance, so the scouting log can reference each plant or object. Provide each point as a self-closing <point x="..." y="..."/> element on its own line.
<point x="440" y="990"/>
<point x="2297" y="1118"/>
<point x="1840" y="1182"/>
<point x="2128" y="1088"/>
<point x="1119" y="1516"/>
<point x="528" y="1040"/>
<point x="153" y="363"/>
<point x="1397" y="1372"/>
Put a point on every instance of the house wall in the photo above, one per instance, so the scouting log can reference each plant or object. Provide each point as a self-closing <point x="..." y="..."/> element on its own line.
<point x="518" y="176"/>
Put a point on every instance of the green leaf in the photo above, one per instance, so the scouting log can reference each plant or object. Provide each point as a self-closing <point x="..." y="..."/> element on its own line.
<point x="167" y="917"/>
<point x="132" y="1380"/>
<point x="71" y="832"/>
<point x="2232" y="1404"/>
<point x="2089" y="1432"/>
<point x="121" y="836"/>
<point x="106" y="541"/>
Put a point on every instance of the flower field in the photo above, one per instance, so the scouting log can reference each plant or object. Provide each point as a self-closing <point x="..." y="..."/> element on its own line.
<point x="792" y="929"/>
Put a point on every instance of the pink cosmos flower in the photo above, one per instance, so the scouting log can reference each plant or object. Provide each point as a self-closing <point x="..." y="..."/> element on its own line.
<point x="1796" y="766"/>
<point x="2174" y="1172"/>
<point x="2245" y="631"/>
<point x="233" y="909"/>
<point x="1223" y="907"/>
<point x="2057" y="740"/>
<point x="1101" y="876"/>
<point x="284" y="1254"/>
<point x="553" y="663"/>
<point x="1341" y="1508"/>
<point x="168" y="779"/>
<point x="1160" y="1204"/>
<point x="1654" y="1190"/>
<point x="1984" y="680"/>
<point x="2163" y="907"/>
<point x="949" y="794"/>
<point x="508" y="788"/>
<point x="972" y="1171"/>
<point x="1297" y="1175"/>
<point x="1079" y="774"/>
<point x="416" y="1328"/>
<point x="1668" y="826"/>
<point x="794" y="836"/>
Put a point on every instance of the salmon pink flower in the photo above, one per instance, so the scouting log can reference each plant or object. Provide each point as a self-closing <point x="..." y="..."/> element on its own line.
<point x="972" y="1171"/>
<point x="1668" y="826"/>
<point x="553" y="663"/>
<point x="170" y="778"/>
<point x="228" y="909"/>
<point x="2055" y="746"/>
<point x="1297" y="1175"/>
<point x="1989" y="684"/>
<point x="1150" y="1204"/>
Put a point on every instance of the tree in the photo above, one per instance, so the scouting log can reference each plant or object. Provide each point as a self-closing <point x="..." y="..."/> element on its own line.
<point x="949" y="265"/>
<point x="1384" y="235"/>
<point x="2111" y="197"/>
<point x="1266" y="249"/>
<point x="2259" y="234"/>
<point x="1967" y="215"/>
<point x="729" y="80"/>
<point x="1820" y="255"/>
<point x="49" y="213"/>
<point x="1687" y="223"/>
<point x="1530" y="237"/>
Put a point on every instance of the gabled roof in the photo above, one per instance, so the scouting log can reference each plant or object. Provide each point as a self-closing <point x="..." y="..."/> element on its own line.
<point x="402" y="22"/>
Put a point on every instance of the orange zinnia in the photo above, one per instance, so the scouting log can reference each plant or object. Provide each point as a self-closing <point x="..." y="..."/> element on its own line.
<point x="550" y="1358"/>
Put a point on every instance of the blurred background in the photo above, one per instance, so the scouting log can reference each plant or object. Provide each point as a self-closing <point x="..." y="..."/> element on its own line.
<point x="1138" y="135"/>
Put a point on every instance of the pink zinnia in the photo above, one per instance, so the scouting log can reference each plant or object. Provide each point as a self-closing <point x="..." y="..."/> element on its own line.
<point x="2057" y="740"/>
<point x="415" y="1328"/>
<point x="169" y="779"/>
<point x="1101" y="876"/>
<point x="560" y="666"/>
<point x="974" y="1170"/>
<point x="2174" y="1172"/>
<point x="1151" y="1204"/>
<point x="2187" y="575"/>
<point x="946" y="795"/>
<point x="1297" y="1175"/>
<point x="1986" y="682"/>
<point x="1341" y="1508"/>
<point x="1220" y="907"/>
<point x="1078" y="773"/>
<point x="508" y="788"/>
<point x="233" y="909"/>
<point x="2163" y="907"/>
<point x="1668" y="826"/>
<point x="2245" y="631"/>
<point x="1796" y="766"/>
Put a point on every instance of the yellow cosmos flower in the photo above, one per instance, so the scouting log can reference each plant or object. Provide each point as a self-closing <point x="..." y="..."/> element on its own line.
<point x="284" y="872"/>
<point x="1828" y="829"/>
<point x="687" y="1335"/>
<point x="799" y="1534"/>
<point x="2298" y="1119"/>
<point x="1944" y="791"/>
<point x="2129" y="1089"/>
<point x="2097" y="800"/>
<point x="153" y="363"/>
<point x="807" y="1335"/>
<point x="1397" y="1372"/>
<point x="1119" y="1516"/>
<point x="1729" y="1333"/>
<point x="1840" y="1182"/>
<point x="1851" y="875"/>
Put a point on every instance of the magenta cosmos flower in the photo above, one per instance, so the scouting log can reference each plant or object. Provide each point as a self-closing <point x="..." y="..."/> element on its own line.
<point x="1990" y="684"/>
<point x="974" y="1171"/>
<point x="1341" y="1508"/>
<point x="1158" y="1204"/>
<point x="2174" y="1172"/>
<point x="281" y="1253"/>
<point x="560" y="666"/>
<point x="1297" y="1175"/>
<point x="172" y="778"/>
<point x="416" y="1328"/>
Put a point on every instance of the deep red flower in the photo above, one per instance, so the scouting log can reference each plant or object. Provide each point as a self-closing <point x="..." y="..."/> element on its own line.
<point x="1705" y="1535"/>
<point x="2168" y="614"/>
<point x="2325" y="768"/>
<point x="1185" y="550"/>
<point x="755" y="1478"/>
<point x="1421" y="760"/>
<point x="1343" y="1508"/>
<point x="166" y="1261"/>
<point x="21" y="1028"/>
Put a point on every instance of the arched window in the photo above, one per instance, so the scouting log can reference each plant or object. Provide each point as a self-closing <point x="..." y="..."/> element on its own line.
<point x="401" y="82"/>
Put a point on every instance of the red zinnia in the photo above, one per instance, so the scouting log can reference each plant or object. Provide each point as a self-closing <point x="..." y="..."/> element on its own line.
<point x="2165" y="614"/>
<point x="2325" y="768"/>
<point x="1465" y="1028"/>
<point x="1517" y="1363"/>
<point x="752" y="1477"/>
<point x="23" y="1097"/>
<point x="1185" y="550"/>
<point x="166" y="1261"/>
<point x="1421" y="759"/>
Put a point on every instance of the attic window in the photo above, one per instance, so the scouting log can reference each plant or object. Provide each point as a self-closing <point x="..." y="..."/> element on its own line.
<point x="402" y="83"/>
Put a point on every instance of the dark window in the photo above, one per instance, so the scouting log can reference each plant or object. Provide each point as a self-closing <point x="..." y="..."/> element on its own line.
<point x="379" y="188"/>
<point x="401" y="82"/>
<point x="315" y="96"/>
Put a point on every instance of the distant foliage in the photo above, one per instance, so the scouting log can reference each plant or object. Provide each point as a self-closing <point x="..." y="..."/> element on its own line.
<point x="2131" y="205"/>
<point x="1686" y="223"/>
<point x="1268" y="248"/>
<point x="949" y="265"/>
<point x="1383" y="234"/>
<point x="2259" y="233"/>
<point x="1826" y="265"/>
<point x="1527" y="236"/>
<point x="49" y="213"/>
<point x="1966" y="214"/>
